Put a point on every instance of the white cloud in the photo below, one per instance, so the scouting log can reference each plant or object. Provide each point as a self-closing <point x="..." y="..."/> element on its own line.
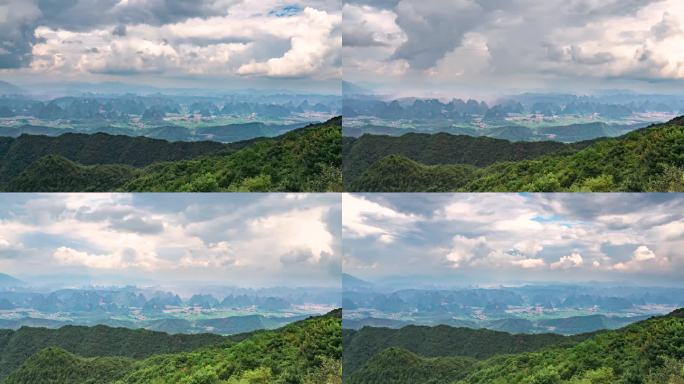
<point x="465" y="249"/>
<point x="529" y="263"/>
<point x="527" y="43"/>
<point x="365" y="218"/>
<point x="310" y="49"/>
<point x="643" y="259"/>
<point x="574" y="260"/>
<point x="250" y="238"/>
<point x="238" y="43"/>
<point x="296" y="230"/>
<point x="72" y="257"/>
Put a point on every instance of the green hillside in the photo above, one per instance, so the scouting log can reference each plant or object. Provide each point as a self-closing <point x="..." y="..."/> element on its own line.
<point x="17" y="346"/>
<point x="306" y="159"/>
<point x="56" y="366"/>
<point x="442" y="148"/>
<point x="308" y="351"/>
<point x="650" y="159"/>
<point x="396" y="365"/>
<point x="647" y="352"/>
<point x="99" y="149"/>
<point x="441" y="341"/>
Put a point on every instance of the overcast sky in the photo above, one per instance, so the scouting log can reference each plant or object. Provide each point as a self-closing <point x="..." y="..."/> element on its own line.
<point x="508" y="238"/>
<point x="471" y="47"/>
<point x="227" y="43"/>
<point x="212" y="239"/>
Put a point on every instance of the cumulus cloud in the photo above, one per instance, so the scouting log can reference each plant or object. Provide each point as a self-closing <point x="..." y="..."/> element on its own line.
<point x="573" y="260"/>
<point x="527" y="42"/>
<point x="175" y="38"/>
<point x="514" y="237"/>
<point x="310" y="49"/>
<point x="643" y="258"/>
<point x="169" y="238"/>
<point x="529" y="263"/>
<point x="466" y="249"/>
<point x="360" y="214"/>
<point x="123" y="259"/>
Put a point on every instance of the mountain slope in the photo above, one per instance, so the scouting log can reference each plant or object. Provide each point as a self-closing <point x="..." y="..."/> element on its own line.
<point x="308" y="351"/>
<point x="442" y="148"/>
<point x="396" y="365"/>
<point x="56" y="366"/>
<point x="9" y="281"/>
<point x="650" y="159"/>
<point x="440" y="341"/>
<point x="306" y="159"/>
<point x="16" y="346"/>
<point x="646" y="352"/>
<point x="98" y="149"/>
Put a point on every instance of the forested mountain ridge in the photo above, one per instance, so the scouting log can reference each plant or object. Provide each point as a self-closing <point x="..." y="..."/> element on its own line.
<point x="440" y="341"/>
<point x="98" y="341"/>
<point x="443" y="148"/>
<point x="649" y="159"/>
<point x="647" y="352"/>
<point x="305" y="159"/>
<point x="308" y="351"/>
<point x="16" y="154"/>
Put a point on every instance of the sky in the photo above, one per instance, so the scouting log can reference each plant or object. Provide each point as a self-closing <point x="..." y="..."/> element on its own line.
<point x="173" y="43"/>
<point x="463" y="239"/>
<point x="485" y="47"/>
<point x="249" y="240"/>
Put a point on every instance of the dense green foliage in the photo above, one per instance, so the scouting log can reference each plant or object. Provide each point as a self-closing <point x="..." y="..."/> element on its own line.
<point x="360" y="346"/>
<point x="54" y="173"/>
<point x="307" y="352"/>
<point x="650" y="159"/>
<point x="56" y="366"/>
<point x="99" y="149"/>
<point x="440" y="149"/>
<point x="17" y="346"/>
<point x="647" y="352"/>
<point x="396" y="365"/>
<point x="306" y="159"/>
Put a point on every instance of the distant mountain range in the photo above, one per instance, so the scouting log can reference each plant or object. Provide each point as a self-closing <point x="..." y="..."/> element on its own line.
<point x="570" y="325"/>
<point x="97" y="110"/>
<point x="458" y="110"/>
<point x="220" y="133"/>
<point x="7" y="281"/>
<point x="9" y="89"/>
<point x="561" y="133"/>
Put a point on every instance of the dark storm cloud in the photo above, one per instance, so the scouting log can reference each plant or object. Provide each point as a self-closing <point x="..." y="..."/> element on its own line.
<point x="82" y="15"/>
<point x="16" y="33"/>
<point x="137" y="224"/>
<point x="354" y="37"/>
<point x="119" y="30"/>
<point x="433" y="29"/>
<point x="383" y="4"/>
